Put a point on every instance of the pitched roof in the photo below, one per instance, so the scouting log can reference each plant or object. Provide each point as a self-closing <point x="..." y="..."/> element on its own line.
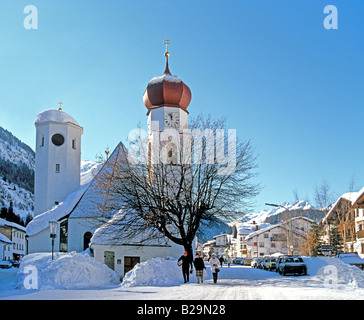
<point x="84" y="202"/>
<point x="94" y="200"/>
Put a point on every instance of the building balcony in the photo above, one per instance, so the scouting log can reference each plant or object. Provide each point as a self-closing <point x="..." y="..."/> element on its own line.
<point x="360" y="234"/>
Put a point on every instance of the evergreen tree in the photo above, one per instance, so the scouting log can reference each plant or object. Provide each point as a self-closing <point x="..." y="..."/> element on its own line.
<point x="314" y="242"/>
<point x="336" y="241"/>
<point x="4" y="213"/>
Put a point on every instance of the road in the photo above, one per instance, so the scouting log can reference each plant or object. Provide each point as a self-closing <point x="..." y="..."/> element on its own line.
<point x="235" y="283"/>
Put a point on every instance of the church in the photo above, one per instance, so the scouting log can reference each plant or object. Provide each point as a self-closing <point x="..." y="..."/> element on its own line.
<point x="74" y="201"/>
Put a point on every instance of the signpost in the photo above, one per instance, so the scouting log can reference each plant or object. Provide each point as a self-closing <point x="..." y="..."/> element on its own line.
<point x="326" y="249"/>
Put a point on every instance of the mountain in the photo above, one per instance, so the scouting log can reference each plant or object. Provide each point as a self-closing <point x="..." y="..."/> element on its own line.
<point x="274" y="215"/>
<point x="17" y="162"/>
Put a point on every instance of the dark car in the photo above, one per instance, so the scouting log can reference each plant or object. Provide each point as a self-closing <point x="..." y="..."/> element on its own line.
<point x="5" y="264"/>
<point x="15" y="263"/>
<point x="291" y="265"/>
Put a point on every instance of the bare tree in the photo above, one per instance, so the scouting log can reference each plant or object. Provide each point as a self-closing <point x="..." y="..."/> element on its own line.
<point x="170" y="198"/>
<point x="323" y="195"/>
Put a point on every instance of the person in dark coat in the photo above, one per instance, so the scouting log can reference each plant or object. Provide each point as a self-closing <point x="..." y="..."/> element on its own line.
<point x="186" y="262"/>
<point x="221" y="259"/>
<point x="199" y="266"/>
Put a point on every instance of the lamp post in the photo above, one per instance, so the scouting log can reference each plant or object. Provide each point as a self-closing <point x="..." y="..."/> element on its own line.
<point x="279" y="206"/>
<point x="53" y="233"/>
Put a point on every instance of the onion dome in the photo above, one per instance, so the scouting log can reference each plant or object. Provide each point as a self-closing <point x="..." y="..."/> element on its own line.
<point x="167" y="90"/>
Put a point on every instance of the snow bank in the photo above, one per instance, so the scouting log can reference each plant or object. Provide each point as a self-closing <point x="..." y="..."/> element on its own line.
<point x="67" y="271"/>
<point x="154" y="272"/>
<point x="323" y="268"/>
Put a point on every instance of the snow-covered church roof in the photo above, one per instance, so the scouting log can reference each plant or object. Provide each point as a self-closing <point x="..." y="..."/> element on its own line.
<point x="85" y="202"/>
<point x="54" y="115"/>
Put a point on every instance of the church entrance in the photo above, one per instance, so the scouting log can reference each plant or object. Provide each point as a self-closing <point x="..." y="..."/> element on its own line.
<point x="130" y="262"/>
<point x="86" y="239"/>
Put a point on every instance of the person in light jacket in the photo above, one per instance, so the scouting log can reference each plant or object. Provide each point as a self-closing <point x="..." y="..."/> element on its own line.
<point x="215" y="265"/>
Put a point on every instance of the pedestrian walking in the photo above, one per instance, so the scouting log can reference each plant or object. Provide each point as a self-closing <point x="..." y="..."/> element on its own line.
<point x="199" y="267"/>
<point x="229" y="260"/>
<point x="185" y="261"/>
<point x="215" y="267"/>
<point x="221" y="261"/>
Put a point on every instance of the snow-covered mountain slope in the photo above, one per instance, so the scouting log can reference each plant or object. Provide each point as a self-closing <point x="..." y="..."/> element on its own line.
<point x="17" y="162"/>
<point x="15" y="151"/>
<point x="275" y="214"/>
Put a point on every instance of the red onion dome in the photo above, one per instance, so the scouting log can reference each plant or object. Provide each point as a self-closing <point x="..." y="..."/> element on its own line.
<point x="167" y="90"/>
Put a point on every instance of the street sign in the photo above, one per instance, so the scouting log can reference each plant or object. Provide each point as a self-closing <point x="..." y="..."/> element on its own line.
<point x="326" y="249"/>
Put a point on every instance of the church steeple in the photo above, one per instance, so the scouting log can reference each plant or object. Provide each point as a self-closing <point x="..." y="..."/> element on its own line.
<point x="167" y="90"/>
<point x="166" y="54"/>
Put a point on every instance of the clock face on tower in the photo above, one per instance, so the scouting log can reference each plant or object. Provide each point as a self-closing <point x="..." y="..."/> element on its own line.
<point x="171" y="119"/>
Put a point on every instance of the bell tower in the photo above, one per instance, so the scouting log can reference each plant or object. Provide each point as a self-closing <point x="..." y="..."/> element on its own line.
<point x="166" y="98"/>
<point x="57" y="158"/>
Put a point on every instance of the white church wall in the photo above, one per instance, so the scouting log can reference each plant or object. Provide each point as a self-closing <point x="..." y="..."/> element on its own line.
<point x="42" y="242"/>
<point x="77" y="227"/>
<point x="143" y="252"/>
<point x="51" y="184"/>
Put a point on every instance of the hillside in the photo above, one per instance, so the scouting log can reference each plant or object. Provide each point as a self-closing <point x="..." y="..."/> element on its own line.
<point x="17" y="162"/>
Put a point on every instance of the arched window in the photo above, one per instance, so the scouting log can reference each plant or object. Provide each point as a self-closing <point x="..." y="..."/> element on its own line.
<point x="86" y="239"/>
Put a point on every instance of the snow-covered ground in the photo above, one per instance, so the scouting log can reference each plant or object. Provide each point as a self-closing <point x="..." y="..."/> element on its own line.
<point x="160" y="279"/>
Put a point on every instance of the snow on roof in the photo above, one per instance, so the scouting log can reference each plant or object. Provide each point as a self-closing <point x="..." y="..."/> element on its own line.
<point x="41" y="222"/>
<point x="111" y="233"/>
<point x="349" y="196"/>
<point x="5" y="239"/>
<point x="285" y="225"/>
<point x="11" y="224"/>
<point x="94" y="200"/>
<point x="358" y="196"/>
<point x="84" y="202"/>
<point x="55" y="116"/>
<point x="166" y="77"/>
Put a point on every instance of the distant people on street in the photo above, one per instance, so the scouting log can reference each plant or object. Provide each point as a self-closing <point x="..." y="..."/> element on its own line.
<point x="228" y="261"/>
<point x="199" y="267"/>
<point x="215" y="267"/>
<point x="221" y="261"/>
<point x="185" y="261"/>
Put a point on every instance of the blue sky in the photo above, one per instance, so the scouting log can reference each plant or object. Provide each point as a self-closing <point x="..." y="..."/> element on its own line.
<point x="269" y="67"/>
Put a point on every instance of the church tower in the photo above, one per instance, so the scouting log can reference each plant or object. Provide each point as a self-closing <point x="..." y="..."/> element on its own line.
<point x="57" y="158"/>
<point x="166" y="98"/>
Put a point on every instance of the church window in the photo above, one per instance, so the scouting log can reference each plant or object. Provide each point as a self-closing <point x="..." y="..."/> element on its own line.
<point x="42" y="142"/>
<point x="57" y="139"/>
<point x="58" y="168"/>
<point x="74" y="144"/>
<point x="63" y="236"/>
<point x="86" y="239"/>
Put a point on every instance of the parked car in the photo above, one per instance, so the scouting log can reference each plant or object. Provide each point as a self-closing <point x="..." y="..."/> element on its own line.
<point x="264" y="262"/>
<point x="254" y="263"/>
<point x="15" y="263"/>
<point x="5" y="264"/>
<point x="260" y="266"/>
<point x="247" y="261"/>
<point x="239" y="261"/>
<point x="352" y="259"/>
<point x="292" y="264"/>
<point x="270" y="264"/>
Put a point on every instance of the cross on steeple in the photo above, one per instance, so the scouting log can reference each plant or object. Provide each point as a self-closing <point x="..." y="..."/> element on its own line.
<point x="166" y="42"/>
<point x="60" y="105"/>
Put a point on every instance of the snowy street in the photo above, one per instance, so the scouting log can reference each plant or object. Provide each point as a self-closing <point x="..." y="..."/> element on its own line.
<point x="235" y="283"/>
